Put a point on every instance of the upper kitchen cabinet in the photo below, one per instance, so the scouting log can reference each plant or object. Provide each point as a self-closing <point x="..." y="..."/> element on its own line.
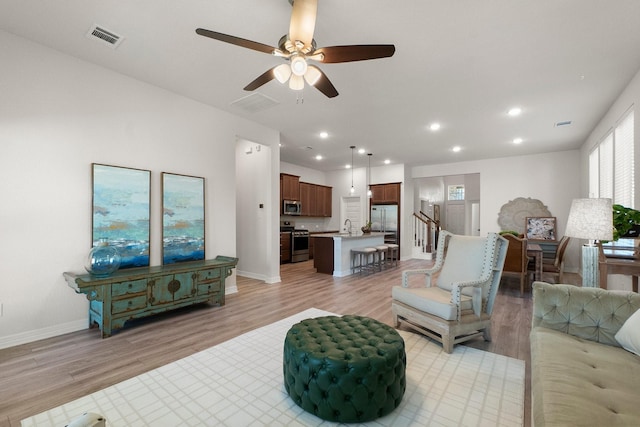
<point x="289" y="187"/>
<point x="323" y="200"/>
<point x="308" y="199"/>
<point x="385" y="193"/>
<point x="315" y="200"/>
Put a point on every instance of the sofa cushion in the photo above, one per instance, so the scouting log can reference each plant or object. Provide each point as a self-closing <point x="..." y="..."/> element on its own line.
<point x="629" y="334"/>
<point x="579" y="382"/>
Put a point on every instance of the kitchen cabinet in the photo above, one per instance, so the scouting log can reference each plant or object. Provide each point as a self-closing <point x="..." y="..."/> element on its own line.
<point x="289" y="187"/>
<point x="315" y="199"/>
<point x="285" y="247"/>
<point x="324" y="195"/>
<point x="385" y="193"/>
<point x="308" y="198"/>
<point x="139" y="292"/>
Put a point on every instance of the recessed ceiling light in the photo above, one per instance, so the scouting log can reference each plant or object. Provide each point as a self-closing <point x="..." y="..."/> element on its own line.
<point x="517" y="140"/>
<point x="387" y="161"/>
<point x="515" y="111"/>
<point x="318" y="157"/>
<point x="324" y="135"/>
<point x="362" y="151"/>
<point x="456" y="149"/>
<point x="434" y="126"/>
<point x="348" y="166"/>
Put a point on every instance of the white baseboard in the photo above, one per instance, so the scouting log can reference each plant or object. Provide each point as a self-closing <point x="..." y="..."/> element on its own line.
<point x="249" y="275"/>
<point x="40" y="334"/>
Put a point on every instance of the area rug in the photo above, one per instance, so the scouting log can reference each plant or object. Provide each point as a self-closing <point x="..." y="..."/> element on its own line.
<point x="239" y="383"/>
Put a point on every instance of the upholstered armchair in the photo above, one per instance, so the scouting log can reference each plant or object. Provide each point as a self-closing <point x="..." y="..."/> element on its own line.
<point x="456" y="301"/>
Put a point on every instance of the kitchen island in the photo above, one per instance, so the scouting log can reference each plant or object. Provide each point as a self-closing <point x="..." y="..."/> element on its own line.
<point x="332" y="251"/>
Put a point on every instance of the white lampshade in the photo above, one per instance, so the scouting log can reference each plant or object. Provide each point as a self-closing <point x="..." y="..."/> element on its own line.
<point x="590" y="219"/>
<point x="282" y="72"/>
<point x="312" y="75"/>
<point x="296" y="82"/>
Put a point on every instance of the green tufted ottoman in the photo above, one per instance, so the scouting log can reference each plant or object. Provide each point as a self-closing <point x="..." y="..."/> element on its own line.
<point x="345" y="369"/>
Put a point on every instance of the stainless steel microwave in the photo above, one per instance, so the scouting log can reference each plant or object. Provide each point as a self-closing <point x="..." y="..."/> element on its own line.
<point x="291" y="207"/>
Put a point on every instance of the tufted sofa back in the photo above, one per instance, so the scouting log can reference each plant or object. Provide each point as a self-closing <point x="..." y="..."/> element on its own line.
<point x="589" y="313"/>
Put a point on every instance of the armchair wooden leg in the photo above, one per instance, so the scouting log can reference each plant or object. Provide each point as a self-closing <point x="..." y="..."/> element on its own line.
<point x="447" y="344"/>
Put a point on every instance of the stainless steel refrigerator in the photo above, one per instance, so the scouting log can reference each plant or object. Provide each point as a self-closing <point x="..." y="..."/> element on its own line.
<point x="384" y="218"/>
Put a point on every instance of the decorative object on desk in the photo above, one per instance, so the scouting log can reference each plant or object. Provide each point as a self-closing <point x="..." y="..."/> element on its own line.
<point x="103" y="259"/>
<point x="513" y="233"/>
<point x="590" y="219"/>
<point x="366" y="229"/>
<point x="541" y="228"/>
<point x="121" y="211"/>
<point x="626" y="222"/>
<point x="182" y="218"/>
<point x="513" y="214"/>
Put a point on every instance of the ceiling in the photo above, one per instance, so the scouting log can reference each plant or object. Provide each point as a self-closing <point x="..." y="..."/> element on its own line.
<point x="461" y="63"/>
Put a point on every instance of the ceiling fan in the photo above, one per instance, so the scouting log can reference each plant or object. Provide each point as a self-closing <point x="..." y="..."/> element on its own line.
<point x="298" y="47"/>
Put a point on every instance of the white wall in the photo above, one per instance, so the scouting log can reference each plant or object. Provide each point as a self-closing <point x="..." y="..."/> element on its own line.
<point x="553" y="178"/>
<point x="257" y="212"/>
<point x="59" y="114"/>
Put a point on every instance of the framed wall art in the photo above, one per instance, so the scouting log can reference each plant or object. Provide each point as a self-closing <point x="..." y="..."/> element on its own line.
<point x="121" y="211"/>
<point x="182" y="218"/>
<point x="541" y="228"/>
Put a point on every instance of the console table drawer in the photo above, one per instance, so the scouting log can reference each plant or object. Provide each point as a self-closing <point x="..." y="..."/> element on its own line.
<point x="208" y="275"/>
<point x="124" y="288"/>
<point x="125" y="305"/>
<point x="207" y="288"/>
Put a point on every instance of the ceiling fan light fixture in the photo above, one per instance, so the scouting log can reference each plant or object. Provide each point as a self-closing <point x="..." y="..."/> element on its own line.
<point x="299" y="66"/>
<point x="296" y="82"/>
<point x="312" y="75"/>
<point x="282" y="72"/>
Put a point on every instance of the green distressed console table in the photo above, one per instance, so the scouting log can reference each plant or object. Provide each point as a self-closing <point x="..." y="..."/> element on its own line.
<point x="139" y="292"/>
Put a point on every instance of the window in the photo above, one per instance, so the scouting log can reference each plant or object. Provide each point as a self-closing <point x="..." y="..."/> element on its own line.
<point x="611" y="171"/>
<point x="456" y="192"/>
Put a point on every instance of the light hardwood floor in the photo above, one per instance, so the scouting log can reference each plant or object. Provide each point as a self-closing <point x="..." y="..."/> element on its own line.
<point x="38" y="376"/>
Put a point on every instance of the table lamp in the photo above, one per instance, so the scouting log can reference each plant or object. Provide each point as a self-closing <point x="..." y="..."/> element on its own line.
<point x="590" y="219"/>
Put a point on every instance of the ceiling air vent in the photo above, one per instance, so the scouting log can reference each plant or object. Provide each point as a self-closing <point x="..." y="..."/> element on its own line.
<point x="255" y="102"/>
<point x="565" y="123"/>
<point x="106" y="36"/>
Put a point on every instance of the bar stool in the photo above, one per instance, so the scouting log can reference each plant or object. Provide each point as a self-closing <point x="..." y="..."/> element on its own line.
<point x="362" y="256"/>
<point x="393" y="253"/>
<point x="381" y="255"/>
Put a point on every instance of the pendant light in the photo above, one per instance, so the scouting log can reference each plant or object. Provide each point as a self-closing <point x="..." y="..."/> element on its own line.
<point x="353" y="189"/>
<point x="369" y="192"/>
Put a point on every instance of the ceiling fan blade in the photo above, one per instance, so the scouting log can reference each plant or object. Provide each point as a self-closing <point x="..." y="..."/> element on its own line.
<point x="265" y="77"/>
<point x="320" y="81"/>
<point x="362" y="52"/>
<point x="303" y="21"/>
<point x="236" y="41"/>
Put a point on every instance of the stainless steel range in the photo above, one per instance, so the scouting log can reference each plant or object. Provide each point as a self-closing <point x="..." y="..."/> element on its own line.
<point x="299" y="245"/>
